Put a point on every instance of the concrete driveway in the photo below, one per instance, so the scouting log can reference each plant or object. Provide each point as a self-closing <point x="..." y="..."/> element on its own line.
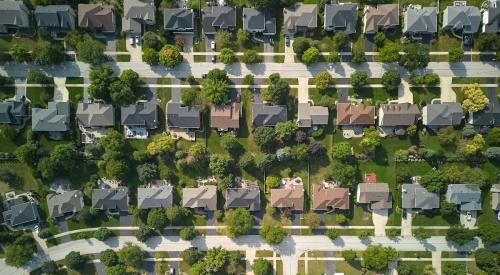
<point x="343" y="93"/>
<point x="62" y="226"/>
<point x="110" y="42"/>
<point x="404" y="93"/>
<point x="211" y="221"/>
<point x="447" y="93"/>
<point x="295" y="218"/>
<point x="135" y="51"/>
<point x="380" y="217"/>
<point x="126" y="220"/>
<point x="289" y="53"/>
<point x="369" y="46"/>
<point x="406" y="222"/>
<point x="208" y="40"/>
<point x="463" y="219"/>
<point x="268" y="48"/>
<point x="188" y="47"/>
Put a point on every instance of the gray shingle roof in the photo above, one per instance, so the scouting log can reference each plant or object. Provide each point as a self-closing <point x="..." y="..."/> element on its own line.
<point x="444" y="114"/>
<point x="467" y="195"/>
<point x="53" y="119"/>
<point x="489" y="116"/>
<point x="300" y="17"/>
<point x="268" y="115"/>
<point x="110" y="199"/>
<point x="13" y="13"/>
<point x="158" y="197"/>
<point x="491" y="17"/>
<point x="67" y="202"/>
<point x="495" y="196"/>
<point x="341" y="17"/>
<point x="415" y="196"/>
<point x="12" y="112"/>
<point x="95" y="114"/>
<point x="55" y="17"/>
<point x="218" y="17"/>
<point x="179" y="116"/>
<point x="136" y="13"/>
<point x="19" y="213"/>
<point x="422" y="20"/>
<point x="464" y="18"/>
<point x="309" y="116"/>
<point x="247" y="197"/>
<point x="96" y="17"/>
<point x="376" y="194"/>
<point x="140" y="114"/>
<point x="402" y="114"/>
<point x="178" y="20"/>
<point x="258" y="21"/>
<point x="204" y="197"/>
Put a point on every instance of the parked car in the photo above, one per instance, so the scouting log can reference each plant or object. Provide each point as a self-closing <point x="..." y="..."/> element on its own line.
<point x="132" y="41"/>
<point x="468" y="215"/>
<point x="172" y="271"/>
<point x="498" y="216"/>
<point x="287" y="41"/>
<point x="271" y="41"/>
<point x="137" y="40"/>
<point x="212" y="45"/>
<point x="213" y="58"/>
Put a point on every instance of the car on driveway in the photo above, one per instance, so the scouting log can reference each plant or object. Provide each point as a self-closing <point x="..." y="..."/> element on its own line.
<point x="287" y="41"/>
<point x="213" y="58"/>
<point x="132" y="41"/>
<point x="137" y="40"/>
<point x="498" y="216"/>
<point x="468" y="215"/>
<point x="171" y="271"/>
<point x="212" y="45"/>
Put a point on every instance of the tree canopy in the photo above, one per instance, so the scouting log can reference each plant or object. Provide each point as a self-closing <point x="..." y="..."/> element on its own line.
<point x="359" y="79"/>
<point x="278" y="90"/>
<point x="226" y="56"/>
<point x="90" y="51"/>
<point x="377" y="257"/>
<point x="323" y="80"/>
<point x="311" y="56"/>
<point x="131" y="255"/>
<point x="416" y="56"/>
<point x="161" y="144"/>
<point x="239" y="222"/>
<point x="273" y="233"/>
<point x="391" y="79"/>
<point x="460" y="235"/>
<point x="262" y="267"/>
<point x="74" y="260"/>
<point x="475" y="99"/>
<point x="170" y="56"/>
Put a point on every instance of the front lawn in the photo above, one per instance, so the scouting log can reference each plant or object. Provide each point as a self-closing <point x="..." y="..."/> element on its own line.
<point x="100" y="221"/>
<point x="26" y="180"/>
<point x="75" y="96"/>
<point x="7" y="92"/>
<point x="424" y="96"/>
<point x="40" y="96"/>
<point x="434" y="218"/>
<point x="373" y="96"/>
<point x="74" y="80"/>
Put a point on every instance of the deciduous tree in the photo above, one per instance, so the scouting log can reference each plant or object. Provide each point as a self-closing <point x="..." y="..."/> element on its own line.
<point x="311" y="56"/>
<point x="391" y="79"/>
<point x="277" y="91"/>
<point x="416" y="56"/>
<point x="273" y="233"/>
<point x="170" y="56"/>
<point x="323" y="80"/>
<point x="226" y="56"/>
<point x="238" y="222"/>
<point x="359" y="79"/>
<point x="131" y="255"/>
<point x="475" y="99"/>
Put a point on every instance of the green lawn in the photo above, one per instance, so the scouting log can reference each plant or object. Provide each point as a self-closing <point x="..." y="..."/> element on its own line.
<point x="101" y="220"/>
<point x="469" y="80"/>
<point x="7" y="92"/>
<point x="123" y="58"/>
<point x="75" y="96"/>
<point x="424" y="96"/>
<point x="40" y="96"/>
<point x="121" y="45"/>
<point x="6" y="42"/>
<point x="434" y="218"/>
<point x="74" y="80"/>
<point x="26" y="180"/>
<point x="355" y="216"/>
<point x="417" y="267"/>
<point x="445" y="41"/>
<point x="373" y="96"/>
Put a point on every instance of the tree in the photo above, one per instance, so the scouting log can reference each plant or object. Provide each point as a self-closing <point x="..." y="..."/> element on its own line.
<point x="312" y="220"/>
<point x="447" y="208"/>
<point x="272" y="182"/>
<point x="131" y="255"/>
<point x="262" y="267"/>
<point x="488" y="42"/>
<point x="19" y="53"/>
<point x="332" y="234"/>
<point x="370" y="140"/>
<point x="447" y="136"/>
<point x="429" y="270"/>
<point x="486" y="260"/>
<point x="433" y="181"/>
<point x="224" y="39"/>
<point x="316" y="150"/>
<point x="190" y="96"/>
<point x="116" y="169"/>
<point x="489" y="233"/>
<point x="18" y="255"/>
<point x="37" y="77"/>
<point x="250" y="57"/>
<point x="118" y="269"/>
<point x="90" y="51"/>
<point x="147" y="172"/>
<point x="103" y="234"/>
<point x="153" y="41"/>
<point x="416" y="56"/>
<point x="46" y="53"/>
<point x="460" y="235"/>
<point x="412" y="131"/>
<point x="456" y="54"/>
<point x="50" y="268"/>
<point x="219" y="165"/>
<point x="363" y="235"/>
<point x="389" y="53"/>
<point x="191" y="255"/>
<point x="109" y="257"/>
<point x="264" y="137"/>
<point x="286" y="130"/>
<point x="299" y="152"/>
<point x="492" y="153"/>
<point x="404" y="269"/>
<point x="340" y="40"/>
<point x="379" y="39"/>
<point x="273" y="233"/>
<point x="73" y="38"/>
<point x="311" y="56"/>
<point x="493" y="137"/>
<point x="333" y="57"/>
<point x="242" y="37"/>
<point x="169" y="56"/>
<point x="150" y="56"/>
<point x="453" y="268"/>
<point x="157" y="218"/>
<point x="323" y="80"/>
<point x="469" y="131"/>
<point x="101" y="79"/>
<point x="8" y="132"/>
<point x="358" y="54"/>
<point x="420" y="233"/>
<point x="217" y="74"/>
<point x="472" y="147"/>
<point x="74" y="260"/>
<point x="342" y="151"/>
<point x="349" y="255"/>
<point x="160" y="145"/>
<point x="391" y="79"/>
<point x="300" y="45"/>
<point x="238" y="222"/>
<point x="340" y="218"/>
<point x="144" y="233"/>
<point x="377" y="257"/>
<point x="226" y="56"/>
<point x="217" y="91"/>
<point x="278" y="90"/>
<point x="176" y="214"/>
<point x="475" y="99"/>
<point x="343" y="173"/>
<point x="188" y="233"/>
<point x="215" y="259"/>
<point x="63" y="159"/>
<point x="359" y="79"/>
<point x="229" y="143"/>
<point x="247" y="161"/>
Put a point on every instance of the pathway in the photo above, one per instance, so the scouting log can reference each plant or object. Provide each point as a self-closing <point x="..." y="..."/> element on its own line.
<point x="330" y="265"/>
<point x="436" y="261"/>
<point x="249" y="258"/>
<point x="447" y="93"/>
<point x="289" y="53"/>
<point x="268" y="48"/>
<point x="406" y="223"/>
<point x="61" y="93"/>
<point x="303" y="91"/>
<point x="188" y="47"/>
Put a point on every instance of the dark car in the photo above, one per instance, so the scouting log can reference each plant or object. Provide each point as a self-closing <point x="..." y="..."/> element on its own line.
<point x="287" y="41"/>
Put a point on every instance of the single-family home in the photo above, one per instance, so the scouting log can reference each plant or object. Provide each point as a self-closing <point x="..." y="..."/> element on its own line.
<point x="300" y="18"/>
<point x="495" y="197"/>
<point x="114" y="200"/>
<point x="328" y="198"/>
<point x="225" y="117"/>
<point x="435" y="116"/>
<point x="97" y="18"/>
<point x="341" y="17"/>
<point x="377" y="195"/>
<point x="468" y="196"/>
<point x="397" y="117"/>
<point x="19" y="213"/>
<point x="155" y="197"/>
<point x="355" y="115"/>
<point x="243" y="197"/>
<point x="178" y="20"/>
<point x="67" y="203"/>
<point x="420" y="21"/>
<point x="310" y="116"/>
<point x="137" y="14"/>
<point x="464" y="19"/>
<point x="290" y="196"/>
<point x="13" y="113"/>
<point x="267" y="115"/>
<point x="95" y="115"/>
<point x="200" y="198"/>
<point x="258" y="21"/>
<point x="184" y="117"/>
<point x="415" y="196"/>
<point x="15" y="16"/>
<point x="57" y="19"/>
<point x="490" y="115"/>
<point x="54" y="119"/>
<point x="380" y="17"/>
<point x="218" y="18"/>
<point x="491" y="17"/>
<point x="137" y="119"/>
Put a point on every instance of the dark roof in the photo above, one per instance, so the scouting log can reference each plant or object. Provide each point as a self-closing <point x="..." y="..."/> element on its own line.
<point x="467" y="195"/>
<point x="53" y="119"/>
<point x="12" y="112"/>
<point x="67" y="202"/>
<point x="155" y="197"/>
<point x="55" y="17"/>
<point x="495" y="197"/>
<point x="464" y="18"/>
<point x="13" y="13"/>
<point x="268" y="115"/>
<point x="19" y="213"/>
<point x="140" y="114"/>
<point x="179" y="116"/>
<point x="489" y="116"/>
<point x="255" y="20"/>
<point x="415" y="196"/>
<point x="178" y="19"/>
<point x="341" y="17"/>
<point x="218" y="17"/>
<point x="309" y="116"/>
<point x="402" y="114"/>
<point x="97" y="17"/>
<point x="110" y="199"/>
<point x="300" y="16"/>
<point x="420" y="20"/>
<point x="376" y="194"/>
<point x="444" y="114"/>
<point x="491" y="17"/>
<point x="247" y="197"/>
<point x="95" y="114"/>
<point x="136" y="13"/>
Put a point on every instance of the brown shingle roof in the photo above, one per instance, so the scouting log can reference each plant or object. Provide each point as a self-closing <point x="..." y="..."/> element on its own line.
<point x="381" y="16"/>
<point x="377" y="194"/>
<point x="225" y="117"/>
<point x="330" y="198"/>
<point x="348" y="114"/>
<point x="402" y="114"/>
<point x="292" y="197"/>
<point x="202" y="197"/>
<point x="96" y="16"/>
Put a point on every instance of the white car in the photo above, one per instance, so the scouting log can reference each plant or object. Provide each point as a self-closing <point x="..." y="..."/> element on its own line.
<point x="132" y="41"/>
<point x="468" y="215"/>
<point x="212" y="45"/>
<point x="498" y="216"/>
<point x="137" y="40"/>
<point x="36" y="229"/>
<point x="172" y="271"/>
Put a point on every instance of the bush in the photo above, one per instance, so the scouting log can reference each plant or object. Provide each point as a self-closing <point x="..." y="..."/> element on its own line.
<point x="300" y="45"/>
<point x="333" y="57"/>
<point x="37" y="77"/>
<point x="188" y="233"/>
<point x="170" y="56"/>
<point x="103" y="234"/>
<point x="332" y="234"/>
<point x="310" y="56"/>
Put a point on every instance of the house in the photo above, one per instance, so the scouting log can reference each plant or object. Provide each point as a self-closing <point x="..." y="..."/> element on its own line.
<point x="258" y="21"/>
<point x="218" y="18"/>
<point x="491" y="17"/>
<point x="19" y="213"/>
<point x="110" y="199"/>
<point x="14" y="16"/>
<point x="309" y="116"/>
<point x="444" y="114"/>
<point x="341" y="17"/>
<point x="95" y="115"/>
<point x="226" y="117"/>
<point x="464" y="19"/>
<point x="69" y="202"/>
<point x="13" y="113"/>
<point x="468" y="196"/>
<point x="397" y="117"/>
<point x="381" y="17"/>
<point x="54" y="119"/>
<point x="178" y="20"/>
<point x="138" y="14"/>
<point x="415" y="196"/>
<point x="420" y="20"/>
<point x="489" y="116"/>
<point x="300" y="18"/>
<point x="326" y="199"/>
<point x="155" y="197"/>
<point x="355" y="115"/>
<point x="495" y="197"/>
<point x="57" y="19"/>
<point x="377" y="195"/>
<point x="267" y="115"/>
<point x="96" y="18"/>
<point x="137" y="119"/>
<point x="203" y="198"/>
<point x="184" y="117"/>
<point x="245" y="197"/>
<point x="290" y="196"/>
